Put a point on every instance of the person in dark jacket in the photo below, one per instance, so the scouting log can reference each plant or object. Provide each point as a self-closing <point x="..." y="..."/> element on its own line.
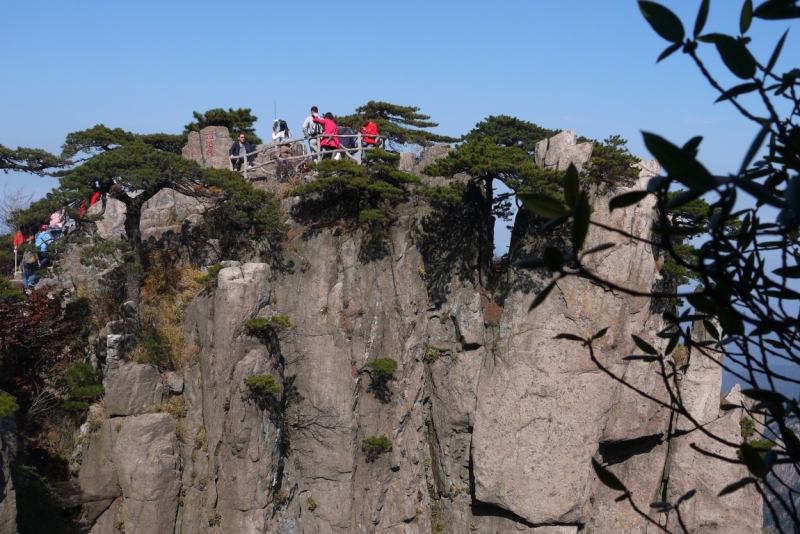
<point x="240" y="148"/>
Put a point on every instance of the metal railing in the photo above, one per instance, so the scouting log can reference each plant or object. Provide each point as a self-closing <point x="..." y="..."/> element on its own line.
<point x="272" y="151"/>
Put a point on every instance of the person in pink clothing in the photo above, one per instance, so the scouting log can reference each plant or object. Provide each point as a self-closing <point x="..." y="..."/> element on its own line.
<point x="56" y="224"/>
<point x="329" y="140"/>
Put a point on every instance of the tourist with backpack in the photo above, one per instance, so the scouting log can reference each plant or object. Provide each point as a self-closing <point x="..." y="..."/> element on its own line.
<point x="35" y="257"/>
<point x="312" y="131"/>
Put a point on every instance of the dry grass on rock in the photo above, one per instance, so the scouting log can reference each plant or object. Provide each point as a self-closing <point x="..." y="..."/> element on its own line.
<point x="166" y="293"/>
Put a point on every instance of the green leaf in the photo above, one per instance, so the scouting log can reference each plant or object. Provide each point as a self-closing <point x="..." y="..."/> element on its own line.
<point x="764" y="395"/>
<point x="790" y="442"/>
<point x="748" y="87"/>
<point x="626" y="199"/>
<point x="642" y="358"/>
<point x="681" y="166"/>
<point x="663" y="21"/>
<point x="678" y="231"/>
<point x="753" y="460"/>
<point x="570" y="337"/>
<point x="711" y="329"/>
<point x="692" y="145"/>
<point x="673" y="342"/>
<point x="554" y="223"/>
<point x="746" y="17"/>
<point x="580" y="227"/>
<point x="542" y="295"/>
<point x="600" y="333"/>
<point x="668" y="51"/>
<point x="530" y="263"/>
<point x="644" y="345"/>
<point x="702" y="15"/>
<point x="571" y="185"/>
<point x="761" y="193"/>
<point x="734" y="54"/>
<point x="543" y="205"/>
<point x="777" y="52"/>
<point x="702" y="304"/>
<point x="607" y="477"/>
<point x="792" y="193"/>
<point x="739" y="484"/>
<point x="730" y="322"/>
<point x="788" y="272"/>
<point x="777" y="10"/>
<point x="553" y="259"/>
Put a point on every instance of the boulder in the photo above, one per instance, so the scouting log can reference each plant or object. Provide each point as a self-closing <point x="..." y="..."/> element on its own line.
<point x="174" y="382"/>
<point x="111" y="225"/>
<point x="134" y="389"/>
<point x="98" y="477"/>
<point x="147" y="459"/>
<point x="560" y="150"/>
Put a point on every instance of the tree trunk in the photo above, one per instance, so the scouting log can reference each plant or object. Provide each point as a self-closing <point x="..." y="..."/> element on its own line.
<point x="487" y="232"/>
<point x="133" y="263"/>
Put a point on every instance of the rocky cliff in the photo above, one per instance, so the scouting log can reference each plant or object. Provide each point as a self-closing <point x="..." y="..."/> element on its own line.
<point x="492" y="422"/>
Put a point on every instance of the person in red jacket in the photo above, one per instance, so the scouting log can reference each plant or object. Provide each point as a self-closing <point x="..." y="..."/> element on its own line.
<point x="329" y="140"/>
<point x="370" y="132"/>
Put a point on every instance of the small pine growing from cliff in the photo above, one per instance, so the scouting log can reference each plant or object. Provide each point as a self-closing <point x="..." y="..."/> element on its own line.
<point x="85" y="386"/>
<point x="384" y="366"/>
<point x="8" y="405"/>
<point x="260" y="386"/>
<point x="374" y="446"/>
<point x="210" y="280"/>
<point x="262" y="326"/>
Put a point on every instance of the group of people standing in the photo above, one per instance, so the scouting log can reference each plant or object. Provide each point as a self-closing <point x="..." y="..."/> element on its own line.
<point x="41" y="239"/>
<point x="322" y="133"/>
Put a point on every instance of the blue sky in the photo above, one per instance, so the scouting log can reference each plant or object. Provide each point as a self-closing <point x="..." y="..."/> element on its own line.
<point x="574" y="64"/>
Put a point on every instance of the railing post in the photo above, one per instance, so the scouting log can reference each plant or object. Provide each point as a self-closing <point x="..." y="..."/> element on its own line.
<point x="16" y="264"/>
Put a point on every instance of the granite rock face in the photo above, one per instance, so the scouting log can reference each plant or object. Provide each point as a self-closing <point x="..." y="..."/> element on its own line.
<point x="493" y="423"/>
<point x="134" y="389"/>
<point x="8" y="496"/>
<point x="560" y="150"/>
<point x="209" y="147"/>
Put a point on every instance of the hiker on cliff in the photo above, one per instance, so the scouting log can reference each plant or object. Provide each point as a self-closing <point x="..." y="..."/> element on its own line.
<point x="56" y="225"/>
<point x="241" y="148"/>
<point x="35" y="259"/>
<point x="329" y="140"/>
<point x="312" y="130"/>
<point x="370" y="132"/>
<point x="22" y="236"/>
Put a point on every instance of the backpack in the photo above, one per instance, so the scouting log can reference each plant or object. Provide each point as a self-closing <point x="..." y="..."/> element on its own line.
<point x="28" y="257"/>
<point x="346" y="142"/>
<point x="317" y="129"/>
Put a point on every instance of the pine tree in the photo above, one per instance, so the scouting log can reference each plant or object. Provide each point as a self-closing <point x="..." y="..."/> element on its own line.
<point x="398" y="125"/>
<point x="235" y="120"/>
<point x="510" y="132"/>
<point x="32" y="160"/>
